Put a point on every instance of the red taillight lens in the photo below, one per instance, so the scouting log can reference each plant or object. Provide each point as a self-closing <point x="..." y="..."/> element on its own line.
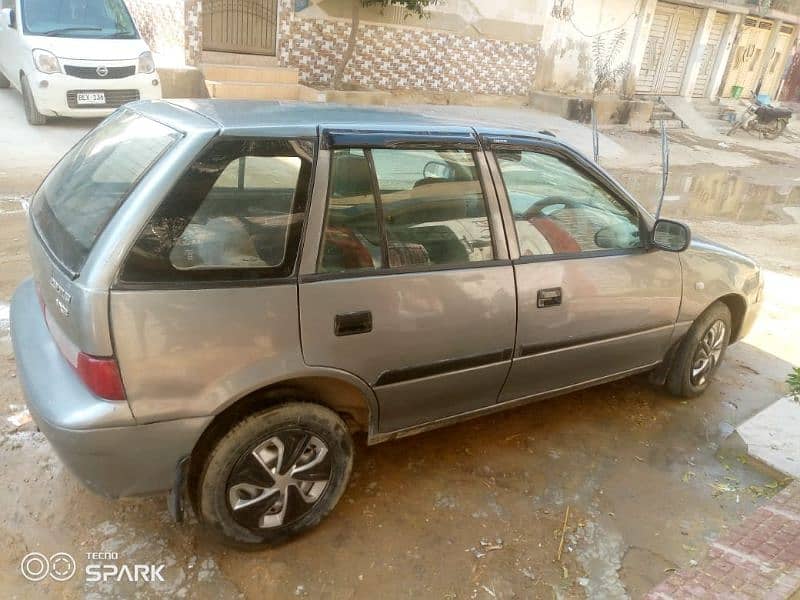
<point x="101" y="375"/>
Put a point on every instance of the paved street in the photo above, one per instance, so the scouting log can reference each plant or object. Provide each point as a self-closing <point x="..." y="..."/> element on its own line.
<point x="475" y="510"/>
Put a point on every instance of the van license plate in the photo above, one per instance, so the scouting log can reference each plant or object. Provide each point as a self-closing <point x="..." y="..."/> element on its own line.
<point x="91" y="98"/>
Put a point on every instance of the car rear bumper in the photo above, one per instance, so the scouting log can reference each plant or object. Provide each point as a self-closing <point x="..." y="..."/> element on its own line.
<point x="98" y="440"/>
<point x="58" y="97"/>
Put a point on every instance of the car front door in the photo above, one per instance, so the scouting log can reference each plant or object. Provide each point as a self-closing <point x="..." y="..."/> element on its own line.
<point x="405" y="278"/>
<point x="594" y="300"/>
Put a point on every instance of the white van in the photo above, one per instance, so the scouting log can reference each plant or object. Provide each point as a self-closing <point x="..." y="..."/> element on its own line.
<point x="74" y="58"/>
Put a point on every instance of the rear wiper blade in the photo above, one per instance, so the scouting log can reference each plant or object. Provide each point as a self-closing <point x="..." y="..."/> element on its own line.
<point x="69" y="29"/>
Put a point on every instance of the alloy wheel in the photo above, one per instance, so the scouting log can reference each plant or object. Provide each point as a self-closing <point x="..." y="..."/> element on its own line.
<point x="708" y="353"/>
<point x="279" y="480"/>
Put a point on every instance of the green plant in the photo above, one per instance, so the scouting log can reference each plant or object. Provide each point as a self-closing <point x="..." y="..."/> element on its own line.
<point x="411" y="7"/>
<point x="604" y="53"/>
<point x="794" y="384"/>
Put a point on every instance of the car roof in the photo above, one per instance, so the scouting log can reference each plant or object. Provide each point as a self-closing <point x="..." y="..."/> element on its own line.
<point x="298" y="119"/>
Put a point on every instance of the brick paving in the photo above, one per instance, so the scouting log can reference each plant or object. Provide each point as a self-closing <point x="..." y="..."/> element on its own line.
<point x="759" y="558"/>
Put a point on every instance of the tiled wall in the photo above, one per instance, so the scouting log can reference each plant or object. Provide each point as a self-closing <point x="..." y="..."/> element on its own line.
<point x="161" y="23"/>
<point x="389" y="57"/>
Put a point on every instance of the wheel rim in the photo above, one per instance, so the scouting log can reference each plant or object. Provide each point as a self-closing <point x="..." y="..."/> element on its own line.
<point x="709" y="350"/>
<point x="279" y="479"/>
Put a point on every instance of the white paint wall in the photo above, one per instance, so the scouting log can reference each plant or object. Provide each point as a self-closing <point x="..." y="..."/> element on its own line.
<point x="567" y="64"/>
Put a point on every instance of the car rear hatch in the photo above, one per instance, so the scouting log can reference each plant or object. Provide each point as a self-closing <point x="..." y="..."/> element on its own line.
<point x="68" y="213"/>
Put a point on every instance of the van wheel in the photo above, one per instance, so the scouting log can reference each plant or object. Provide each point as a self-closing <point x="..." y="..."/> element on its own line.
<point x="701" y="352"/>
<point x="274" y="475"/>
<point x="31" y="112"/>
<point x="4" y="82"/>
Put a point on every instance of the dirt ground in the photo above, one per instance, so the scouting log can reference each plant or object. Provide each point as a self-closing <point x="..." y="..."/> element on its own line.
<point x="475" y="510"/>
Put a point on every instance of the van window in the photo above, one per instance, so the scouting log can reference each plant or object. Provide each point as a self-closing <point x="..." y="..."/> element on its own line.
<point x="235" y="215"/>
<point x="78" y="19"/>
<point x="85" y="189"/>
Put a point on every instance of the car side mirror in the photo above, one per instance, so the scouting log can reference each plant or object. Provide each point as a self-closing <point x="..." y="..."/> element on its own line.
<point x="11" y="18"/>
<point x="437" y="169"/>
<point x="671" y="236"/>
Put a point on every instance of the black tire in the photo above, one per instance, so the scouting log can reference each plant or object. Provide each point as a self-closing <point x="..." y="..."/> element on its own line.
<point x="780" y="125"/>
<point x="232" y="470"/>
<point x="4" y="82"/>
<point x="683" y="379"/>
<point x="32" y="113"/>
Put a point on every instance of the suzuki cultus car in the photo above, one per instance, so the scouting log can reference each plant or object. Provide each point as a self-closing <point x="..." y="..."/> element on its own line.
<point x="224" y="292"/>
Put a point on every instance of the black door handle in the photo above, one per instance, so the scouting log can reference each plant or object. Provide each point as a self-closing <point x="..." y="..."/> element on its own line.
<point x="353" y="323"/>
<point x="548" y="297"/>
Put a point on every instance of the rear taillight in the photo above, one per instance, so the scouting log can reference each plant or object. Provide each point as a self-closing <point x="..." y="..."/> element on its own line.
<point x="101" y="375"/>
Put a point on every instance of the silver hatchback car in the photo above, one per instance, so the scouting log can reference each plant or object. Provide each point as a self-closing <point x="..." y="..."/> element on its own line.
<point x="224" y="292"/>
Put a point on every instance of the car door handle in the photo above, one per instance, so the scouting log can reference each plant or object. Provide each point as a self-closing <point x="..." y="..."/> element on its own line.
<point x="353" y="323"/>
<point x="548" y="297"/>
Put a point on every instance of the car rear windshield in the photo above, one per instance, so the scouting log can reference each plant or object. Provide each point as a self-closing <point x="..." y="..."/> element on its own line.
<point x="86" y="188"/>
<point x="78" y="18"/>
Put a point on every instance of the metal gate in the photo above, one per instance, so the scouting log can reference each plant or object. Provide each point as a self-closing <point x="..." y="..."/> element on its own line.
<point x="710" y="53"/>
<point x="745" y="60"/>
<point x="668" y="47"/>
<point x="243" y="26"/>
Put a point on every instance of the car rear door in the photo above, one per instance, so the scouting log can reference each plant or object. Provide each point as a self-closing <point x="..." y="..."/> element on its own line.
<point x="594" y="301"/>
<point x="405" y="277"/>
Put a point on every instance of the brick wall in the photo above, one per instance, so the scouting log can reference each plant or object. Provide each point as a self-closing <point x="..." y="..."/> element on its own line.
<point x="395" y="57"/>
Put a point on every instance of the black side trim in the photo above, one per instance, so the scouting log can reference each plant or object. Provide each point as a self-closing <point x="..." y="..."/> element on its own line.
<point x="398" y="139"/>
<point x="533" y="349"/>
<point x="444" y="366"/>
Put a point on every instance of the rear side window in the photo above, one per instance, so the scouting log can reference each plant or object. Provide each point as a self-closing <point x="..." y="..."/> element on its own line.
<point x="86" y="188"/>
<point x="394" y="208"/>
<point x="235" y="215"/>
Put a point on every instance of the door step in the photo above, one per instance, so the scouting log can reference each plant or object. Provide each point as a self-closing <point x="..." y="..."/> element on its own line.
<point x="247" y="90"/>
<point x="250" y="74"/>
<point x="232" y="58"/>
<point x="663" y="114"/>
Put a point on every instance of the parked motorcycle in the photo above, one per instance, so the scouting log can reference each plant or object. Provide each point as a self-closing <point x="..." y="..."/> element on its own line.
<point x="762" y="119"/>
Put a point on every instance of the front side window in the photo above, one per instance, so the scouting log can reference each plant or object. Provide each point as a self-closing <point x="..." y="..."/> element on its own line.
<point x="85" y="189"/>
<point x="392" y="208"/>
<point x="235" y="215"/>
<point x="78" y="18"/>
<point x="559" y="210"/>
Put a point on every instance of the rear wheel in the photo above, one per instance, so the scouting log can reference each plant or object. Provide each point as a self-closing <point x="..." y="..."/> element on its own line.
<point x="701" y="352"/>
<point x="777" y="128"/>
<point x="29" y="102"/>
<point x="275" y="474"/>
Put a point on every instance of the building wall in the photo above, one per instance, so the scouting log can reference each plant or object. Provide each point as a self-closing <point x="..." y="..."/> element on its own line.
<point x="569" y="59"/>
<point x="162" y="24"/>
<point x="446" y="53"/>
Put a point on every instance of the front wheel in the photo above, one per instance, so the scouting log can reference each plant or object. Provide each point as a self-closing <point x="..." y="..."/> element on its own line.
<point x="274" y="475"/>
<point x="701" y="352"/>
<point x="32" y="113"/>
<point x="736" y="126"/>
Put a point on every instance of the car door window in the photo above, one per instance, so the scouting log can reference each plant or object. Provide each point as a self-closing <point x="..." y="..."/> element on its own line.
<point x="558" y="209"/>
<point x="404" y="208"/>
<point x="236" y="214"/>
